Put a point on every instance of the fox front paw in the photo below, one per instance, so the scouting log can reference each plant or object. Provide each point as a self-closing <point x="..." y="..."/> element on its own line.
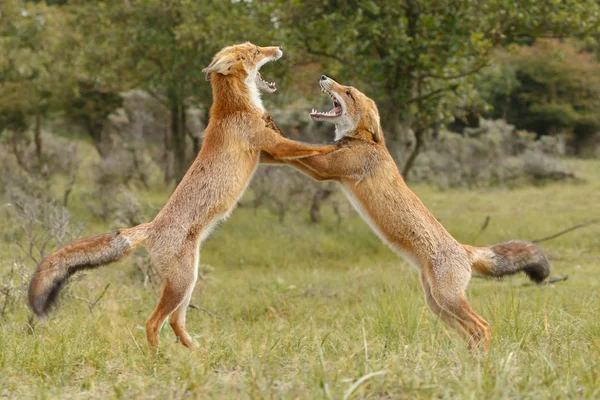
<point x="271" y="124"/>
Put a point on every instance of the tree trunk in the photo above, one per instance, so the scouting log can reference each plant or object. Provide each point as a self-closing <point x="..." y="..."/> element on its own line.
<point x="17" y="151"/>
<point x="95" y="128"/>
<point x="178" y="136"/>
<point x="413" y="85"/>
<point x="317" y="201"/>
<point x="281" y="210"/>
<point x="419" y="138"/>
<point x="167" y="157"/>
<point x="37" y="138"/>
<point x="396" y="140"/>
<point x="196" y="144"/>
<point x="69" y="188"/>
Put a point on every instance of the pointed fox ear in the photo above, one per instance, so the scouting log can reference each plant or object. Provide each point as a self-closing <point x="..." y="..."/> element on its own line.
<point x="374" y="124"/>
<point x="221" y="65"/>
<point x="377" y="137"/>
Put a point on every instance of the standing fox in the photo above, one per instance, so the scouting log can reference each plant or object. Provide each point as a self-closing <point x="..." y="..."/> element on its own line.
<point x="233" y="141"/>
<point x="369" y="177"/>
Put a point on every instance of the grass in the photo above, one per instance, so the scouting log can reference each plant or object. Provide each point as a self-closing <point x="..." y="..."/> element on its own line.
<point x="296" y="310"/>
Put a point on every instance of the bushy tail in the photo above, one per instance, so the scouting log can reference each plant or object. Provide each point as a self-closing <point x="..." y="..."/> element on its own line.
<point x="81" y="254"/>
<point x="509" y="258"/>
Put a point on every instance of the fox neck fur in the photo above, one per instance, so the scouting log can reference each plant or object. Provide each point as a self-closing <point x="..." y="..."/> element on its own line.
<point x="234" y="95"/>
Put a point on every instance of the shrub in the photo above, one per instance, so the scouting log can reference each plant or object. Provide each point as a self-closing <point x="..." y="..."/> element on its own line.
<point x="24" y="174"/>
<point x="494" y="154"/>
<point x="35" y="227"/>
<point x="548" y="88"/>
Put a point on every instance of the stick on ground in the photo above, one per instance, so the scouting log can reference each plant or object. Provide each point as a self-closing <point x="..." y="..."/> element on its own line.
<point x="579" y="226"/>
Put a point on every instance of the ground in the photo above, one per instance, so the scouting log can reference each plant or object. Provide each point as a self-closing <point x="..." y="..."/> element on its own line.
<point x="298" y="310"/>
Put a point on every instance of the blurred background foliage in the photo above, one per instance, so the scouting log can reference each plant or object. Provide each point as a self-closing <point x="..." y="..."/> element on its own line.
<point x="471" y="93"/>
<point x="484" y="103"/>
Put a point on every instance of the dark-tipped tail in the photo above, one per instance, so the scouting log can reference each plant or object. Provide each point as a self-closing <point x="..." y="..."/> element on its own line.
<point x="79" y="255"/>
<point x="510" y="258"/>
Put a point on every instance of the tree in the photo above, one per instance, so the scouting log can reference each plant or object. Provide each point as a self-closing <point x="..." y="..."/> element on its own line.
<point x="27" y="79"/>
<point x="418" y="58"/>
<point x="51" y="63"/>
<point x="85" y="54"/>
<point x="165" y="45"/>
<point x="94" y="68"/>
<point x="549" y="87"/>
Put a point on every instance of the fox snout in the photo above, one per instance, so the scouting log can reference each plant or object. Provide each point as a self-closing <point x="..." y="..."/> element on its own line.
<point x="275" y="52"/>
<point x="326" y="82"/>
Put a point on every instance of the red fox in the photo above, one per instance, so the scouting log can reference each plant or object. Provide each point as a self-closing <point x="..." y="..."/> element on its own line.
<point x="368" y="175"/>
<point x="233" y="140"/>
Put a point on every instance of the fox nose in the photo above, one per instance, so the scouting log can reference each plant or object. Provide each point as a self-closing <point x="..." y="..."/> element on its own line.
<point x="281" y="48"/>
<point x="324" y="77"/>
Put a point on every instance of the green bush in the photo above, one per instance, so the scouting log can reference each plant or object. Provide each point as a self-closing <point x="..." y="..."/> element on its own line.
<point x="491" y="155"/>
<point x="548" y="88"/>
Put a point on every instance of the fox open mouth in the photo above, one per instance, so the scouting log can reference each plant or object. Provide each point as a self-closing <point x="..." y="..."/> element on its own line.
<point x="335" y="112"/>
<point x="263" y="85"/>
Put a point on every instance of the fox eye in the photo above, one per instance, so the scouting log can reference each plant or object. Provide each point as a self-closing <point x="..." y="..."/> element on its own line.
<point x="257" y="51"/>
<point x="349" y="94"/>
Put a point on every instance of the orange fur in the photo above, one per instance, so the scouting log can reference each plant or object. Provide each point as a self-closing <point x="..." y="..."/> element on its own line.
<point x="233" y="140"/>
<point x="369" y="177"/>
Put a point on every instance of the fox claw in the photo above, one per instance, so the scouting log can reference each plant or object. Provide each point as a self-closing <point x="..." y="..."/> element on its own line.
<point x="271" y="124"/>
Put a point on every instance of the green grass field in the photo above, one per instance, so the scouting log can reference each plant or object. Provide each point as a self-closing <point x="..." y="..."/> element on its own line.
<point x="297" y="310"/>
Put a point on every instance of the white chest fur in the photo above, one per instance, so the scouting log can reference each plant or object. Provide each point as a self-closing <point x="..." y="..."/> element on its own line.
<point x="343" y="126"/>
<point x="210" y="227"/>
<point x="365" y="215"/>
<point x="254" y="92"/>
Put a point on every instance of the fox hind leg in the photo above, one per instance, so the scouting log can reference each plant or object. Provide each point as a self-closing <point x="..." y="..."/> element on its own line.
<point x="177" y="319"/>
<point x="448" y="318"/>
<point x="176" y="294"/>
<point x="448" y="292"/>
<point x="177" y="322"/>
